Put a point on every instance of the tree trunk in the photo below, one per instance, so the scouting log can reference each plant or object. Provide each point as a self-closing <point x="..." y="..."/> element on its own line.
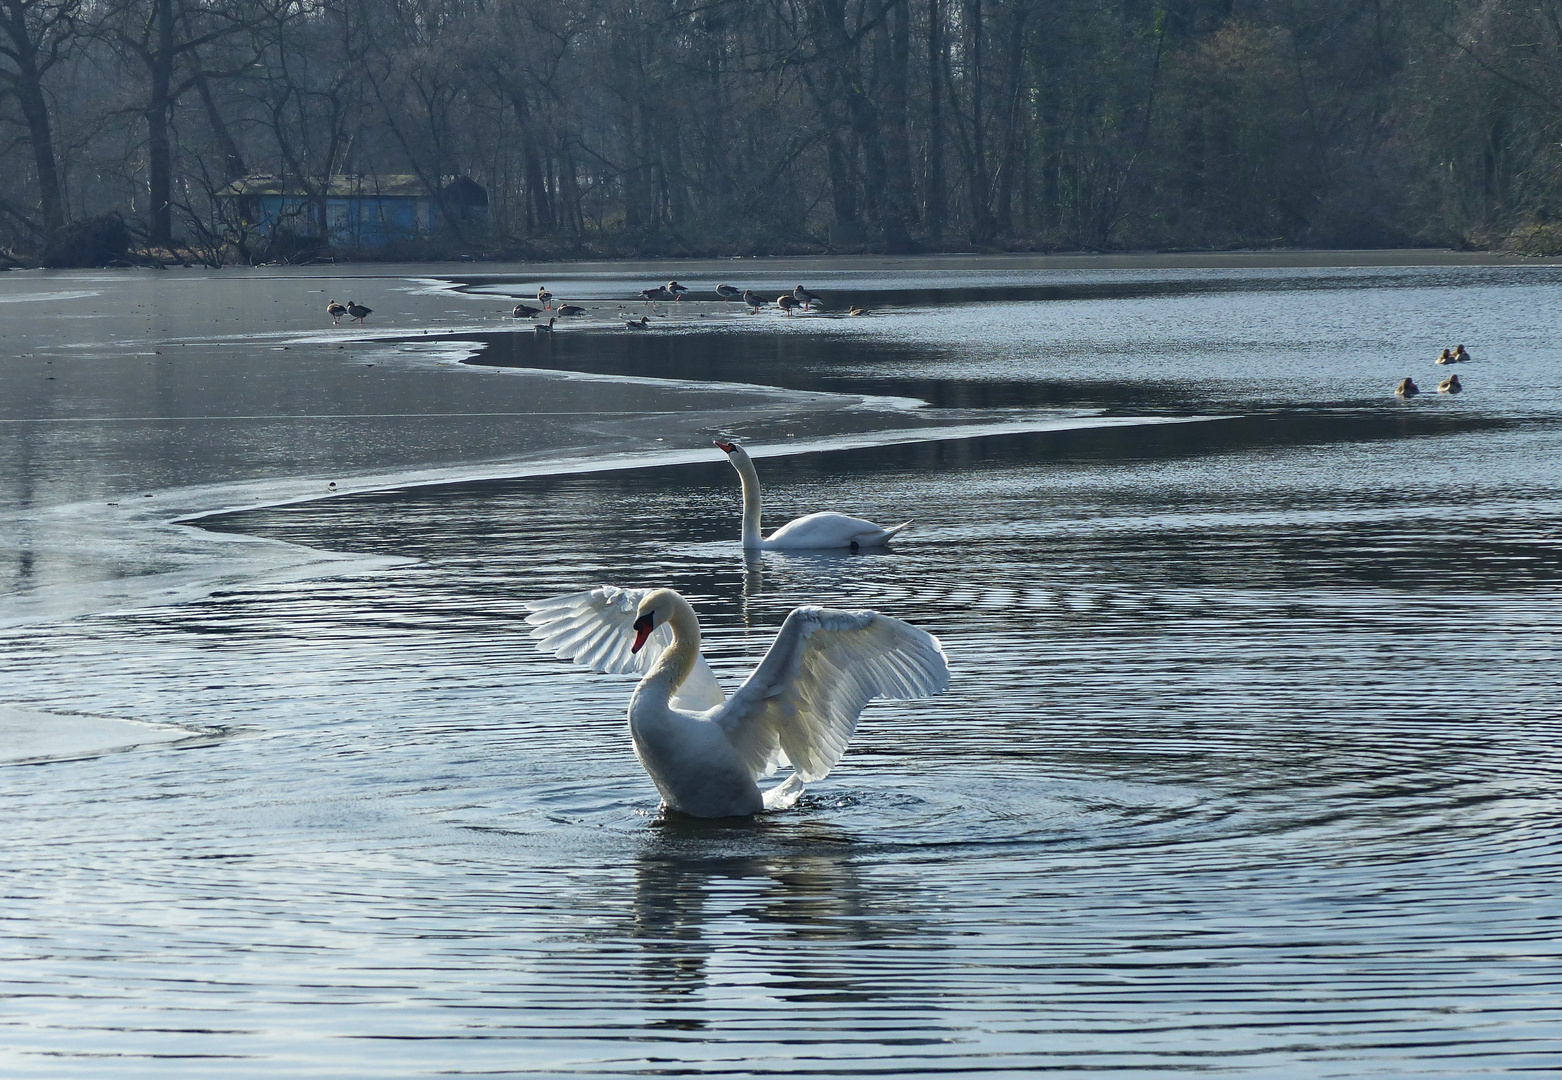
<point x="536" y="202"/>
<point x="29" y="50"/>
<point x="1013" y="91"/>
<point x="980" y="180"/>
<point x="843" y="193"/>
<point x="159" y="147"/>
<point x="35" y="111"/>
<point x="934" y="188"/>
<point x="898" y="211"/>
<point x="232" y="160"/>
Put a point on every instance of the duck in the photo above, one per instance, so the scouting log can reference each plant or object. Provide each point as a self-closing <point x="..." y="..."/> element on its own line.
<point x="638" y="324"/>
<point x="544" y="328"/>
<point x="544" y="297"/>
<point x="859" y="311"/>
<point x="727" y="292"/>
<point x="813" y="532"/>
<point x="676" y="290"/>
<point x="706" y="752"/>
<point x="526" y="311"/>
<point x="753" y="300"/>
<point x="806" y="298"/>
<point x="1407" y="388"/>
<point x="1447" y="357"/>
<point x="1460" y="356"/>
<point x="786" y="302"/>
<point x="571" y="309"/>
<point x="358" y="311"/>
<point x="1449" y="385"/>
<point x="336" y="311"/>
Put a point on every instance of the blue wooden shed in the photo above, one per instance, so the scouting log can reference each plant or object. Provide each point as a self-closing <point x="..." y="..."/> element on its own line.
<point x="358" y="210"/>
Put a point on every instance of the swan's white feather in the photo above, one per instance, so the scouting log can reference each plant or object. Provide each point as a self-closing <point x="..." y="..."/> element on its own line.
<point x="830" y="530"/>
<point x="806" y="695"/>
<point x="595" y="629"/>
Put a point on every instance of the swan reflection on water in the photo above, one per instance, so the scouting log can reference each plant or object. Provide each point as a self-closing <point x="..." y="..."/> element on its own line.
<point x="825" y="572"/>
<point x="749" y="889"/>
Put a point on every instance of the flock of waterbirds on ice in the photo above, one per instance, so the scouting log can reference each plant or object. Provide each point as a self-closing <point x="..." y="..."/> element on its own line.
<point x="788" y="303"/>
<point x="674" y="292"/>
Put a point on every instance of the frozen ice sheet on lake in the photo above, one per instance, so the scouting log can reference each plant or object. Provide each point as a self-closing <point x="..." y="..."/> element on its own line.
<point x="35" y="735"/>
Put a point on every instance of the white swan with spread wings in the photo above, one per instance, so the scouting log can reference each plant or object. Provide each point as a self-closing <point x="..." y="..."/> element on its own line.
<point x="706" y="752"/>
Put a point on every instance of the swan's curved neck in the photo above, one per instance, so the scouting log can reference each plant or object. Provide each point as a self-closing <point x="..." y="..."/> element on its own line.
<point x="751" y="504"/>
<point x="678" y="659"/>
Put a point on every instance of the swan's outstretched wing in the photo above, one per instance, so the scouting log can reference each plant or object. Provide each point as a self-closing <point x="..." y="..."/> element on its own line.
<point x="804" y="698"/>
<point x="596" y="629"/>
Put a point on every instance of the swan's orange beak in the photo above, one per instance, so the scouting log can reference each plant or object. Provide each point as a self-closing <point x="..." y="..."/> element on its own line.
<point x="725" y="447"/>
<point x="642" y="631"/>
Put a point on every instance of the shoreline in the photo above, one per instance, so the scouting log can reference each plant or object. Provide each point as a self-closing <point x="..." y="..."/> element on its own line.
<point x="1273" y="258"/>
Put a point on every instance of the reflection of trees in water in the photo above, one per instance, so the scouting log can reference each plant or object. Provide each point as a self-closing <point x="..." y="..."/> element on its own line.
<point x="702" y="888"/>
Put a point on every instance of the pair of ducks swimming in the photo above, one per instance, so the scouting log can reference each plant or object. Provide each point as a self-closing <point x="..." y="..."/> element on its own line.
<point x="1407" y="387"/>
<point x="707" y="752"/>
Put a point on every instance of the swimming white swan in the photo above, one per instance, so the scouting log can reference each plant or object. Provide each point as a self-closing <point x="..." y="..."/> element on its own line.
<point x="822" y="530"/>
<point x="705" y="751"/>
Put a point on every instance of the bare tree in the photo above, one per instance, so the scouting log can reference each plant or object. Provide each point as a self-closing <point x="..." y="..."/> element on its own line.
<point x="35" y="35"/>
<point x="167" y="40"/>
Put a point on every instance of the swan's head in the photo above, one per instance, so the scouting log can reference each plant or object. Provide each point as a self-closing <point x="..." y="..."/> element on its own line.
<point x="643" y="627"/>
<point x="659" y="607"/>
<point x="733" y="450"/>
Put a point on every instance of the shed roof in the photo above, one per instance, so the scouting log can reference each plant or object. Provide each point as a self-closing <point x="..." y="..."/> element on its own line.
<point x="349" y="185"/>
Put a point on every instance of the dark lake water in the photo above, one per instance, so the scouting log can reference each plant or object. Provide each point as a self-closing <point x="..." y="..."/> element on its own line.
<point x="1251" y="764"/>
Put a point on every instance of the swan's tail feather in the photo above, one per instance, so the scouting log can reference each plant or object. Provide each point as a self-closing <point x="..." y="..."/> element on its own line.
<point x="784" y="794"/>
<point x="889" y="534"/>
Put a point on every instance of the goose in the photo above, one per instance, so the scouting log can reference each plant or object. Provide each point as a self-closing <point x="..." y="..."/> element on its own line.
<point x="651" y="296"/>
<point x="336" y="311"/>
<point x="358" y="311"/>
<point x="806" y="298"/>
<point x="822" y="530"/>
<point x="727" y="292"/>
<point x="786" y="302"/>
<point x="753" y="300"/>
<point x="544" y="328"/>
<point x="638" y="324"/>
<point x="706" y="752"/>
<point x="1449" y="385"/>
<point x="526" y="311"/>
<point x="571" y="309"/>
<point x="676" y="290"/>
<point x="1407" y="388"/>
<point x="544" y="297"/>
